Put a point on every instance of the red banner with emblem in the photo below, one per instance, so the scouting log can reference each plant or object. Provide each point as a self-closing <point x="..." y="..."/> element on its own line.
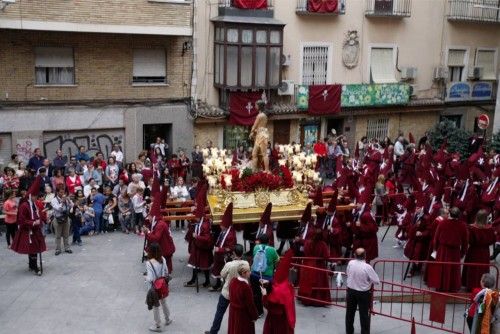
<point x="322" y="6"/>
<point x="242" y="109"/>
<point x="324" y="99"/>
<point x="250" y="4"/>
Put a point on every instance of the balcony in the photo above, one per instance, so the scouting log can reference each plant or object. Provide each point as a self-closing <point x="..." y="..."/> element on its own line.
<point x="336" y="7"/>
<point x="482" y="11"/>
<point x="262" y="8"/>
<point x="388" y="8"/>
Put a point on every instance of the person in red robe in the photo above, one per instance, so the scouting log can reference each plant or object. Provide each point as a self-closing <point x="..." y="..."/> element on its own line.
<point x="266" y="226"/>
<point x="467" y="200"/>
<point x="417" y="247"/>
<point x="224" y="246"/>
<point x="332" y="228"/>
<point x="450" y="245"/>
<point x="305" y="231"/>
<point x="29" y="238"/>
<point x="365" y="232"/>
<point x="201" y="246"/>
<point x="242" y="310"/>
<point x="279" y="300"/>
<point x="481" y="237"/>
<point x="312" y="280"/>
<point x="160" y="230"/>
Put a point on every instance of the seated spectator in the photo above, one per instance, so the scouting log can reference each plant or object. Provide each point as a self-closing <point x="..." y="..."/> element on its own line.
<point x="81" y="168"/>
<point x="87" y="190"/>
<point x="118" y="155"/>
<point x="10" y="179"/>
<point x="59" y="161"/>
<point x="82" y="154"/>
<point x="58" y="179"/>
<point x="90" y="173"/>
<point x="88" y="217"/>
<point x="99" y="177"/>
<point x="112" y="172"/>
<point x="71" y="164"/>
<point x="99" y="161"/>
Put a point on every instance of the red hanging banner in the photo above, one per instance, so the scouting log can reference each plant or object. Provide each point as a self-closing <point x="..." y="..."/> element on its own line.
<point x="242" y="109"/>
<point x="324" y="99"/>
<point x="250" y="4"/>
<point x="437" y="311"/>
<point x="322" y="6"/>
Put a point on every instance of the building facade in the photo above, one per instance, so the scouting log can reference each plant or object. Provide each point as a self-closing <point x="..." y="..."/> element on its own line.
<point x="403" y="65"/>
<point x="94" y="73"/>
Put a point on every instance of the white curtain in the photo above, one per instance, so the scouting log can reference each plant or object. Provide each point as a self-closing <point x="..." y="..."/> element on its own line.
<point x="260" y="66"/>
<point x="246" y="66"/>
<point x="232" y="66"/>
<point x="382" y="65"/>
<point x="486" y="59"/>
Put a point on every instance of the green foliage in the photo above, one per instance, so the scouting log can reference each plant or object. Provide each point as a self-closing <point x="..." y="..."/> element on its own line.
<point x="246" y="172"/>
<point x="457" y="139"/>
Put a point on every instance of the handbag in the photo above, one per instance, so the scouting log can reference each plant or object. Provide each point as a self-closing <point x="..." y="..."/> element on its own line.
<point x="160" y="284"/>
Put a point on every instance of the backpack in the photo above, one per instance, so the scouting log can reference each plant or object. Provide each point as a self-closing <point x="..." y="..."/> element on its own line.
<point x="160" y="284"/>
<point x="259" y="263"/>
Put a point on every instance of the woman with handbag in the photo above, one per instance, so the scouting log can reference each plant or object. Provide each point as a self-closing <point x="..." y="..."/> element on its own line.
<point x="157" y="281"/>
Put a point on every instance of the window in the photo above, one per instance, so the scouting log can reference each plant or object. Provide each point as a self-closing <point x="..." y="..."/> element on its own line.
<point x="486" y="60"/>
<point x="382" y="65"/>
<point x="235" y="136"/>
<point x="149" y="66"/>
<point x="456" y="119"/>
<point x="377" y="128"/>
<point x="383" y="6"/>
<point x="54" y="66"/>
<point x="316" y="60"/>
<point x="456" y="64"/>
<point x="247" y="57"/>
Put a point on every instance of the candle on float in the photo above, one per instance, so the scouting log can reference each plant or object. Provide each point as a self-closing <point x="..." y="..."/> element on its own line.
<point x="205" y="152"/>
<point x="281" y="148"/>
<point x="299" y="165"/>
<point x="228" y="161"/>
<point x="297" y="148"/>
<point x="308" y="161"/>
<point x="222" y="153"/>
<point x="282" y="162"/>
<point x="314" y="158"/>
<point x="290" y="150"/>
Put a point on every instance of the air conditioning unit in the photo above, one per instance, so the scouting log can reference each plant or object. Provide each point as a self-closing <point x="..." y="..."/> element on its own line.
<point x="475" y="73"/>
<point x="286" y="87"/>
<point x="413" y="90"/>
<point x="440" y="73"/>
<point x="286" y="60"/>
<point x="408" y="73"/>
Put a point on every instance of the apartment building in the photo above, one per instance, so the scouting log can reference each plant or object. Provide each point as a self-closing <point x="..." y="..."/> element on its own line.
<point x="402" y="65"/>
<point x="94" y="73"/>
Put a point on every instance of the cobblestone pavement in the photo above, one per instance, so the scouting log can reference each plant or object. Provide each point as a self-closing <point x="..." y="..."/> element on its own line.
<point x="100" y="289"/>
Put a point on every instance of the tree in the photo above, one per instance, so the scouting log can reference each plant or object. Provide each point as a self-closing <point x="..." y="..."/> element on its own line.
<point x="457" y="139"/>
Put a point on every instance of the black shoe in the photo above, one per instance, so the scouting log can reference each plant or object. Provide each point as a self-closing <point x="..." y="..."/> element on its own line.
<point x="69" y="251"/>
<point x="58" y="252"/>
<point x="206" y="284"/>
<point x="190" y="284"/>
<point x="38" y="272"/>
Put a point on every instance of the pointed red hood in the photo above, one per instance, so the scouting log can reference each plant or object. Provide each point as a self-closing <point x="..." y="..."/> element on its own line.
<point x="155" y="189"/>
<point x="227" y="218"/>
<point x="155" y="210"/>
<point x="265" y="219"/>
<point x="34" y="189"/>
<point x="201" y="201"/>
<point x="318" y="197"/>
<point x="282" y="292"/>
<point x="356" y="151"/>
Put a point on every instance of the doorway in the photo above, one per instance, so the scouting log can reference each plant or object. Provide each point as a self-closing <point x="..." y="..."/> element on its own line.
<point x="337" y="124"/>
<point x="281" y="133"/>
<point x="152" y="131"/>
<point x="309" y="134"/>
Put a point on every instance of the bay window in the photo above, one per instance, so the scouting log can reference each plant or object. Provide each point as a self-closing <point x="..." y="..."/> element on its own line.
<point x="247" y="57"/>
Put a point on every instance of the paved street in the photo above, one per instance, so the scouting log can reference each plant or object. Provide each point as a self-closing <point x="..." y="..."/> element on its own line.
<point x="100" y="289"/>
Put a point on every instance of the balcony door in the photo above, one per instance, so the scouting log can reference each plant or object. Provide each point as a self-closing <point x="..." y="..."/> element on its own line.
<point x="384" y="6"/>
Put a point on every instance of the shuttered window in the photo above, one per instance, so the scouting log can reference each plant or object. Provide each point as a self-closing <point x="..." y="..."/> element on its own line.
<point x="149" y="66"/>
<point x="486" y="60"/>
<point x="54" y="66"/>
<point x="5" y="148"/>
<point x="315" y="65"/>
<point x="456" y="57"/>
<point x="382" y="68"/>
<point x="377" y="128"/>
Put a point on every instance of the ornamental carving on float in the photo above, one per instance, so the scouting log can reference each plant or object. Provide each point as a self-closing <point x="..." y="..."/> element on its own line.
<point x="350" y="49"/>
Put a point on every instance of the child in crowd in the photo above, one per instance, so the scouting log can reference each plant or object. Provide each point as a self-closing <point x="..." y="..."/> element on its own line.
<point x="88" y="219"/>
<point x="139" y="205"/>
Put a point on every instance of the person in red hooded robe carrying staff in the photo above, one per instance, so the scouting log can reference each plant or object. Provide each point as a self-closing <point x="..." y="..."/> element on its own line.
<point x="29" y="238"/>
<point x="224" y="246"/>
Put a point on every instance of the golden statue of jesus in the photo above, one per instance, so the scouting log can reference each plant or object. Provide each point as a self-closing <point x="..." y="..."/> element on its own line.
<point x="260" y="136"/>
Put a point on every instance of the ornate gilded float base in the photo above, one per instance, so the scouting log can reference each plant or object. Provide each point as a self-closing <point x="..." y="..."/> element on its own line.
<point x="248" y="207"/>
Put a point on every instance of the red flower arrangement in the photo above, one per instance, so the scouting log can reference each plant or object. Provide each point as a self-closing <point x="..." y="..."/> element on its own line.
<point x="250" y="182"/>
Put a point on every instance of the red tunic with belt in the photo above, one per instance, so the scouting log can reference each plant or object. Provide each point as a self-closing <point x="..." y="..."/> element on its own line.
<point x="310" y="278"/>
<point x="223" y="246"/>
<point x="417" y="247"/>
<point x="201" y="255"/>
<point x="365" y="235"/>
<point x="242" y="310"/>
<point x="29" y="238"/>
<point x="276" y="320"/>
<point x="480" y="240"/>
<point x="160" y="233"/>
<point x="450" y="242"/>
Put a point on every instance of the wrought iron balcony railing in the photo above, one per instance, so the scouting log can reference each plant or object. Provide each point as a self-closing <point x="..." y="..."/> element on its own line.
<point x="303" y="8"/>
<point x="388" y="8"/>
<point x="487" y="11"/>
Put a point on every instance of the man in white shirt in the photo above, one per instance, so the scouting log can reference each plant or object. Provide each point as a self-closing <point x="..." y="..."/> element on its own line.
<point x="88" y="188"/>
<point x="117" y="154"/>
<point x="229" y="272"/>
<point x="360" y="279"/>
<point x="399" y="150"/>
<point x="181" y="193"/>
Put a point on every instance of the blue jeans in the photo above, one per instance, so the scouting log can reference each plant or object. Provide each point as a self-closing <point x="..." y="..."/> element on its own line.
<point x="75" y="225"/>
<point x="219" y="314"/>
<point x="97" y="221"/>
<point x="86" y="229"/>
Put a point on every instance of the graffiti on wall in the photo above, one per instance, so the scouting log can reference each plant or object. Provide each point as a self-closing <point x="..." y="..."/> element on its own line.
<point x="94" y="141"/>
<point x="25" y="148"/>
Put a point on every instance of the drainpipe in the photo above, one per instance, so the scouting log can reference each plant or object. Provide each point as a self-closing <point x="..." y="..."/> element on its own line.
<point x="496" y="117"/>
<point x="194" y="70"/>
